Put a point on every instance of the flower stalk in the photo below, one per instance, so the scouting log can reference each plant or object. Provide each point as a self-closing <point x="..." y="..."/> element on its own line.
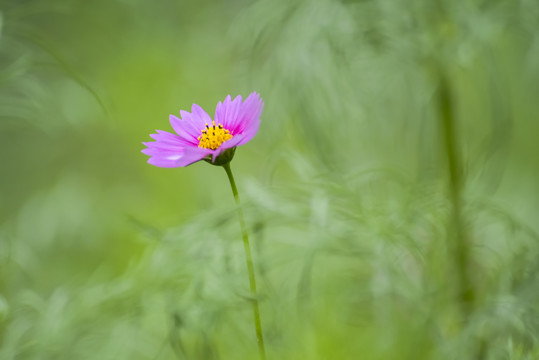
<point x="249" y="261"/>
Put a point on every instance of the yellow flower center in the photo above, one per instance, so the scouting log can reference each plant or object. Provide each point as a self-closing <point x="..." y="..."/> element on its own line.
<point x="213" y="136"/>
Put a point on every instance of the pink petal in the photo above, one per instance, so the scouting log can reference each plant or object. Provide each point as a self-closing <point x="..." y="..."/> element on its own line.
<point x="250" y="112"/>
<point x="250" y="132"/>
<point x="227" y="145"/>
<point x="172" y="139"/>
<point x="184" y="127"/>
<point x="199" y="118"/>
<point x="227" y="112"/>
<point x="162" y="162"/>
<point x="186" y="157"/>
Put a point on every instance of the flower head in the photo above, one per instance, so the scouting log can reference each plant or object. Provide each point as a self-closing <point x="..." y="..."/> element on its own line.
<point x="199" y="137"/>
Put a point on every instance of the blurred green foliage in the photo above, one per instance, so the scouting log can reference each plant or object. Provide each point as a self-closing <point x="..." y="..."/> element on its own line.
<point x="352" y="201"/>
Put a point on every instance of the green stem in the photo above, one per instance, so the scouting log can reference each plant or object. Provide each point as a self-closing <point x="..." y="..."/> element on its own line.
<point x="460" y="246"/>
<point x="249" y="260"/>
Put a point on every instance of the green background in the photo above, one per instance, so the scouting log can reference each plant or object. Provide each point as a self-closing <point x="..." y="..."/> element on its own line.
<point x="391" y="194"/>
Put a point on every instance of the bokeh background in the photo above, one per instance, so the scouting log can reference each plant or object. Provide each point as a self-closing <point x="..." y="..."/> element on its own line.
<point x="391" y="194"/>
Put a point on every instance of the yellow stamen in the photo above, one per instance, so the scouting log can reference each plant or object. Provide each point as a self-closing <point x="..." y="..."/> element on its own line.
<point x="213" y="136"/>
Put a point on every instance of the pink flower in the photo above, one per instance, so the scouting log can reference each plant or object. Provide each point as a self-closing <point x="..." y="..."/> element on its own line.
<point x="199" y="137"/>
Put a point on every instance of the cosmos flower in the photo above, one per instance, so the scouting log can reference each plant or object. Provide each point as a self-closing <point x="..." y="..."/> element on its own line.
<point x="198" y="137"/>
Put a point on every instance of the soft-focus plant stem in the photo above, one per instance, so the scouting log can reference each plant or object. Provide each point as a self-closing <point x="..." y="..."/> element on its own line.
<point x="458" y="243"/>
<point x="250" y="266"/>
